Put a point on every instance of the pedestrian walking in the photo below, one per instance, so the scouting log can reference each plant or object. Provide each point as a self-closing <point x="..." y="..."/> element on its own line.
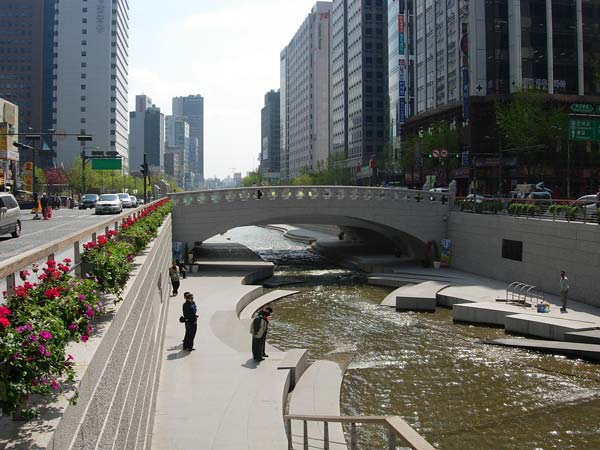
<point x="190" y="318"/>
<point x="174" y="277"/>
<point x="564" y="290"/>
<point x="45" y="205"/>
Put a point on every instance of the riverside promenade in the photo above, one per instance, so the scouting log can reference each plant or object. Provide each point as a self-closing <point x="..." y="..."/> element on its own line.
<point x="217" y="397"/>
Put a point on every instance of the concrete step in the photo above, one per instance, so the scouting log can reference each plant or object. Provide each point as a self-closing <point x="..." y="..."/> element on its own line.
<point x="587" y="351"/>
<point x="584" y="337"/>
<point x="248" y="310"/>
<point x="545" y="327"/>
<point x="486" y="313"/>
<point x="318" y="393"/>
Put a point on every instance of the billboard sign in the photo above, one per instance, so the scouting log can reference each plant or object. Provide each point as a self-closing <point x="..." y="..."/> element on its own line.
<point x="401" y="40"/>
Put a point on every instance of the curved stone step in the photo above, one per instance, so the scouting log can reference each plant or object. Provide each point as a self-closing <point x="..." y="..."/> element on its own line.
<point x="249" y="309"/>
<point x="317" y="392"/>
<point x="419" y="297"/>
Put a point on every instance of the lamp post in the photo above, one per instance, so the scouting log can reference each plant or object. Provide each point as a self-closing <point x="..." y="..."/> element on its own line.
<point x="82" y="139"/>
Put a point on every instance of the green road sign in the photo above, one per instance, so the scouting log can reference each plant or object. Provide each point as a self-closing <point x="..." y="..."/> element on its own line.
<point x="107" y="164"/>
<point x="584" y="129"/>
<point x="582" y="108"/>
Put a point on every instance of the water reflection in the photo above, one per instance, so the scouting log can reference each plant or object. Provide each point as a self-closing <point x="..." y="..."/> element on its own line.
<point x="434" y="373"/>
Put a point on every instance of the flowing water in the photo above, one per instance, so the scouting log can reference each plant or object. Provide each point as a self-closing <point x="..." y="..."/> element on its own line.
<point x="435" y="374"/>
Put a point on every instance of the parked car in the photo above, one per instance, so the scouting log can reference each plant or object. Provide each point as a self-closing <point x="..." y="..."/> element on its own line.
<point x="125" y="200"/>
<point x="109" y="203"/>
<point x="88" y="201"/>
<point x="588" y="202"/>
<point x="10" y="215"/>
<point x="140" y="201"/>
<point x="541" y="198"/>
<point x="134" y="201"/>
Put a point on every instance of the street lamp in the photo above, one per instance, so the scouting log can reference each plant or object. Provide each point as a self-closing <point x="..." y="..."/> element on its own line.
<point x="83" y="138"/>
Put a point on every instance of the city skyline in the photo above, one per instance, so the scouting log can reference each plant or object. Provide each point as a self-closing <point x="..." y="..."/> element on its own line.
<point x="233" y="87"/>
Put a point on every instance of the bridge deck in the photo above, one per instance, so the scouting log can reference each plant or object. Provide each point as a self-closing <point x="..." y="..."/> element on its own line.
<point x="217" y="397"/>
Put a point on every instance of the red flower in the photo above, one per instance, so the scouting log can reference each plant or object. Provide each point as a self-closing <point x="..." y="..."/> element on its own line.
<point x="52" y="293"/>
<point x="4" y="311"/>
<point x="67" y="260"/>
<point x="51" y="263"/>
<point x="4" y="322"/>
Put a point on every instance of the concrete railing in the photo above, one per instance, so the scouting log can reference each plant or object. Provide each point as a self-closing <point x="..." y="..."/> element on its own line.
<point x="396" y="427"/>
<point x="307" y="193"/>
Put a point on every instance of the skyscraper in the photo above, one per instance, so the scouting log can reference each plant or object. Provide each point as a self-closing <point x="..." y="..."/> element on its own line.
<point x="177" y="132"/>
<point x="147" y="135"/>
<point x="26" y="49"/>
<point x="305" y="78"/>
<point x="359" y="92"/>
<point x="192" y="109"/>
<point x="91" y="76"/>
<point x="270" y="136"/>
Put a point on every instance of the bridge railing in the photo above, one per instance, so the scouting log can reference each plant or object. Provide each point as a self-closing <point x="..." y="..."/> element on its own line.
<point x="548" y="209"/>
<point x="12" y="266"/>
<point x="307" y="193"/>
<point x="397" y="429"/>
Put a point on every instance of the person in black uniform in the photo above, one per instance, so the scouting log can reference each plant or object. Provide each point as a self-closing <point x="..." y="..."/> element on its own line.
<point x="258" y="329"/>
<point x="191" y="321"/>
<point x="267" y="316"/>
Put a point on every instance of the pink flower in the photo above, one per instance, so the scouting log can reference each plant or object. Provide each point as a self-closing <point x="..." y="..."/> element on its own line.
<point x="45" y="335"/>
<point x="28" y="327"/>
<point x="33" y="338"/>
<point x="84" y="338"/>
<point x="54" y="385"/>
<point x="16" y="356"/>
<point x="43" y="350"/>
<point x="72" y="327"/>
<point x="70" y="357"/>
<point x="81" y="297"/>
<point x="19" y="329"/>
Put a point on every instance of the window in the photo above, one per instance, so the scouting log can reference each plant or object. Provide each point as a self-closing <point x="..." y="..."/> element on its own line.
<point x="512" y="250"/>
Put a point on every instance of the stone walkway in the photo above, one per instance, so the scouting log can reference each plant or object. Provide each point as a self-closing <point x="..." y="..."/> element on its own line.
<point x="217" y="397"/>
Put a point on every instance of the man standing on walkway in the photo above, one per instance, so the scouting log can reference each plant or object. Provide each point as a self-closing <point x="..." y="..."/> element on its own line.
<point x="267" y="316"/>
<point x="564" y="290"/>
<point x="191" y="321"/>
<point x="258" y="330"/>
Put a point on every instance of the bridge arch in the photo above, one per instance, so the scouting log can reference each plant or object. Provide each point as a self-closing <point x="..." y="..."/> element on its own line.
<point x="408" y="218"/>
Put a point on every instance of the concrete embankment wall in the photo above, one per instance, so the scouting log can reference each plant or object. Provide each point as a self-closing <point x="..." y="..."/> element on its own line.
<point x="117" y="393"/>
<point x="547" y="248"/>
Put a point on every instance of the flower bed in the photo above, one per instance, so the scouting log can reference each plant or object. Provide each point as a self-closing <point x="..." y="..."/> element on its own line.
<point x="42" y="317"/>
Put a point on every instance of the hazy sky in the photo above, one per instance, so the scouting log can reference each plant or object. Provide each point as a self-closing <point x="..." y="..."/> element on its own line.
<point x="225" y="50"/>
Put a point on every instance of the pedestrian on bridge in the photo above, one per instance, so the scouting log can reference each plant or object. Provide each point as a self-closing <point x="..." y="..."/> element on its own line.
<point x="174" y="277"/>
<point x="564" y="290"/>
<point x="190" y="317"/>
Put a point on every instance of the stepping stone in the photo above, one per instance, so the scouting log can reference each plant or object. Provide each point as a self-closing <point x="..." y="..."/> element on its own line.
<point x="545" y="327"/>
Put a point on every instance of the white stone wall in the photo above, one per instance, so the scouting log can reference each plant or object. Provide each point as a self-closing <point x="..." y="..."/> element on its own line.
<point x="117" y="393"/>
<point x="548" y="248"/>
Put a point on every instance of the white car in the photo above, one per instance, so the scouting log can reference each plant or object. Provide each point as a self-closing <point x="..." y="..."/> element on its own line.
<point x="109" y="203"/>
<point x="134" y="201"/>
<point x="10" y="215"/>
<point x="588" y="202"/>
<point x="125" y="200"/>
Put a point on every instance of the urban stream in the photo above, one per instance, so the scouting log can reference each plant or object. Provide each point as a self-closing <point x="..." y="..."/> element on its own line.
<point x="435" y="374"/>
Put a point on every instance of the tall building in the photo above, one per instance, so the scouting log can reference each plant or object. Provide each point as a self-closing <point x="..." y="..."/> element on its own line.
<point x="359" y="90"/>
<point x="305" y="72"/>
<point x="177" y="132"/>
<point x="270" y="136"/>
<point x="146" y="135"/>
<point x="9" y="155"/>
<point x="284" y="158"/>
<point x="26" y="52"/>
<point x="91" y="76"/>
<point x="192" y="108"/>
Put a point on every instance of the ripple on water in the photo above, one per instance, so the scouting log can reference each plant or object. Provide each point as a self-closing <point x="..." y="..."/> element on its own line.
<point x="434" y="373"/>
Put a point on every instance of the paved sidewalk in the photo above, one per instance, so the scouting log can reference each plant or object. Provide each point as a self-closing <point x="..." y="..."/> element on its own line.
<point x="217" y="397"/>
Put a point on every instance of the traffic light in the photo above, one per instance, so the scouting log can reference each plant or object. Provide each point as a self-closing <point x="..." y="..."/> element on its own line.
<point x="144" y="170"/>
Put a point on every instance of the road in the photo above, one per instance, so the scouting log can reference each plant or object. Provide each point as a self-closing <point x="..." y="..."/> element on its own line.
<point x="37" y="232"/>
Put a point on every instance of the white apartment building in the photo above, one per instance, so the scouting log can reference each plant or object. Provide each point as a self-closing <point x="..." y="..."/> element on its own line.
<point x="91" y="60"/>
<point x="305" y="86"/>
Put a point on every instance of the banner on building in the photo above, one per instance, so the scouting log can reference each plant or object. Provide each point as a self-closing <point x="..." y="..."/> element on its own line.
<point x="401" y="40"/>
<point x="465" y="89"/>
<point x="446" y="249"/>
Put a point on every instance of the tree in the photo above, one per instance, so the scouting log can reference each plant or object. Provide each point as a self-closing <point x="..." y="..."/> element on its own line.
<point x="254" y="178"/>
<point x="529" y="125"/>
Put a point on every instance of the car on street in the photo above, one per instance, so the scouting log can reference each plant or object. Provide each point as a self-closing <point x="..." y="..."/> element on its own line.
<point x="140" y="201"/>
<point x="88" y="201"/>
<point x="134" y="201"/>
<point x="125" y="200"/>
<point x="540" y="198"/>
<point x="10" y="215"/>
<point x="109" y="203"/>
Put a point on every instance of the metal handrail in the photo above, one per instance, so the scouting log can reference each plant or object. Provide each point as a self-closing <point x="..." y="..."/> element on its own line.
<point x="11" y="266"/>
<point x="396" y="426"/>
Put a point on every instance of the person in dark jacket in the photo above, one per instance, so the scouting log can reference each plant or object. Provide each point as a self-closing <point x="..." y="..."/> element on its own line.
<point x="191" y="321"/>
<point x="259" y="328"/>
<point x="44" y="204"/>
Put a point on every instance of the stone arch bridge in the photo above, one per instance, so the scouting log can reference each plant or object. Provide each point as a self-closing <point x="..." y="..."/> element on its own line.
<point x="408" y="218"/>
